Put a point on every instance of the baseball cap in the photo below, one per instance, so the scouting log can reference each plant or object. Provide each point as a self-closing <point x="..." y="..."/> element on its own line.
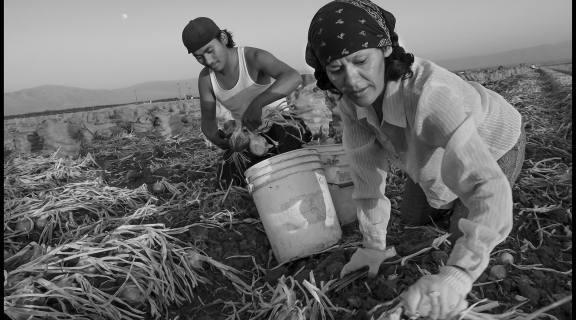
<point x="198" y="33"/>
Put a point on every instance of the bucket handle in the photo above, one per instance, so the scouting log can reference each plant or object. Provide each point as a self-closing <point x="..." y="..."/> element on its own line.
<point x="251" y="187"/>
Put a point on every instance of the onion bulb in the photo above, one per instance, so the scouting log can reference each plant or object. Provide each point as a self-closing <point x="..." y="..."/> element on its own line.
<point x="29" y="300"/>
<point x="89" y="263"/>
<point x="239" y="139"/>
<point x="506" y="258"/>
<point x="230" y="126"/>
<point x="132" y="295"/>
<point x="41" y="222"/>
<point x="7" y="254"/>
<point x="329" y="141"/>
<point x="194" y="258"/>
<point x="498" y="271"/>
<point x="158" y="187"/>
<point x="25" y="225"/>
<point x="66" y="282"/>
<point x="258" y="145"/>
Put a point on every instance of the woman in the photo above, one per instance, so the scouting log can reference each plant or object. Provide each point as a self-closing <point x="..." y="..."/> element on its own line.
<point x="460" y="144"/>
<point x="241" y="79"/>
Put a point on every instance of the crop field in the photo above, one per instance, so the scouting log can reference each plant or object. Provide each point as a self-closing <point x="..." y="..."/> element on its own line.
<point x="137" y="227"/>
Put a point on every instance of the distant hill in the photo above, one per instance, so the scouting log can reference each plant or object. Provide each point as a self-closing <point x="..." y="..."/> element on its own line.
<point x="52" y="97"/>
<point x="544" y="54"/>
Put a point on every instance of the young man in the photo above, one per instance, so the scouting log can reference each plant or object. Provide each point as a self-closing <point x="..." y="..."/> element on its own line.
<point x="244" y="80"/>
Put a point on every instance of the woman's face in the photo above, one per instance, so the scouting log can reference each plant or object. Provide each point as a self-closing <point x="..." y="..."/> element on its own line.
<point x="359" y="76"/>
<point x="213" y="55"/>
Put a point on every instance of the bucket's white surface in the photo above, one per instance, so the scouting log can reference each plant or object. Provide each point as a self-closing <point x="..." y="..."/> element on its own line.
<point x="343" y="203"/>
<point x="294" y="203"/>
<point x="335" y="162"/>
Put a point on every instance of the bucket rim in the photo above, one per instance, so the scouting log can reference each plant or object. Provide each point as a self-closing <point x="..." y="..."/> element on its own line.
<point x="311" y="167"/>
<point x="338" y="146"/>
<point x="303" y="160"/>
<point x="280" y="158"/>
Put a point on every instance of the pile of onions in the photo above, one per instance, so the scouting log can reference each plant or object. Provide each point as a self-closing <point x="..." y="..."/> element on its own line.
<point x="258" y="145"/>
<point x="239" y="139"/>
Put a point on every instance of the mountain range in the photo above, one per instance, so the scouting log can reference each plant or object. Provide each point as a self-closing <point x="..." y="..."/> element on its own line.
<point x="54" y="97"/>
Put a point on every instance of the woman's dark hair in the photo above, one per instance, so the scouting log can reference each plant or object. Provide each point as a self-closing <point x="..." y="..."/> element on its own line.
<point x="231" y="42"/>
<point x="397" y="66"/>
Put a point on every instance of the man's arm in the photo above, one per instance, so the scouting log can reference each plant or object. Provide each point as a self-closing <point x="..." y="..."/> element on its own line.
<point x="287" y="80"/>
<point x="209" y="123"/>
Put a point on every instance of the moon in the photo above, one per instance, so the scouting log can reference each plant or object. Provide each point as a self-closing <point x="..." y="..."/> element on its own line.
<point x="124" y="16"/>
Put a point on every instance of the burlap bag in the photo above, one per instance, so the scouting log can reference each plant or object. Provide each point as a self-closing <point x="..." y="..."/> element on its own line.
<point x="61" y="136"/>
<point x="104" y="130"/>
<point x="142" y="124"/>
<point x="167" y="124"/>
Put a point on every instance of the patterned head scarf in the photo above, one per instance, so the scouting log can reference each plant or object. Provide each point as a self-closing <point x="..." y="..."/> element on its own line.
<point x="343" y="27"/>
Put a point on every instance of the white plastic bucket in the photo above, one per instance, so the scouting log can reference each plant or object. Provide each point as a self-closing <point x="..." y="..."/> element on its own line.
<point x="343" y="203"/>
<point x="335" y="162"/>
<point x="294" y="203"/>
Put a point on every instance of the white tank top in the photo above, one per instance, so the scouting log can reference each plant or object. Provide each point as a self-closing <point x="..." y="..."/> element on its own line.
<point x="237" y="99"/>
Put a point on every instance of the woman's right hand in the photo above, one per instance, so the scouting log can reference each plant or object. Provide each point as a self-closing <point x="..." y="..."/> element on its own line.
<point x="371" y="258"/>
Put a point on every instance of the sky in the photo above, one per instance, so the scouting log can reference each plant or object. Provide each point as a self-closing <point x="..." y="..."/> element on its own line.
<point x="90" y="45"/>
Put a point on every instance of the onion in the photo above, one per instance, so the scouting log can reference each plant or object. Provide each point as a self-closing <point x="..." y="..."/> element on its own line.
<point x="329" y="141"/>
<point x="258" y="145"/>
<point x="42" y="221"/>
<point x="506" y="258"/>
<point x="498" y="271"/>
<point x="24" y="225"/>
<point x="7" y="255"/>
<point x="89" y="263"/>
<point x="132" y="295"/>
<point x="158" y="187"/>
<point x="230" y="126"/>
<point x="195" y="259"/>
<point x="28" y="300"/>
<point x="239" y="139"/>
<point x="66" y="282"/>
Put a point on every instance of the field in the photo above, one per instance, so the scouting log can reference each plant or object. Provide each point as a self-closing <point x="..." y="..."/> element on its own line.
<point x="146" y="214"/>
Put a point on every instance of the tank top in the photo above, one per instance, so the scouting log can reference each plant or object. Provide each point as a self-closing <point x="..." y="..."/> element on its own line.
<point x="237" y="99"/>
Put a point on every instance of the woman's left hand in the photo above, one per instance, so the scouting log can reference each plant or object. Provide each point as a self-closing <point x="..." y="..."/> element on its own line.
<point x="252" y="117"/>
<point x="437" y="296"/>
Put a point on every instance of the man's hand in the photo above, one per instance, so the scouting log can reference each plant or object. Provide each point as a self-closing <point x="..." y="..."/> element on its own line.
<point x="252" y="117"/>
<point x="367" y="257"/>
<point x="440" y="296"/>
<point x="223" y="144"/>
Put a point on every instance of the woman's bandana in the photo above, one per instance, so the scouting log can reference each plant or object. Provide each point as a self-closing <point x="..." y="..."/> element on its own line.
<point x="343" y="27"/>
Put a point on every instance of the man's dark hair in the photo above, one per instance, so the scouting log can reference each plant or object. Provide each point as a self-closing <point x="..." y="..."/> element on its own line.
<point x="231" y="42"/>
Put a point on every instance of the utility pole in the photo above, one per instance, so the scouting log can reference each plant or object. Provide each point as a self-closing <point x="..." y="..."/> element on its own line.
<point x="179" y="91"/>
<point x="136" y="96"/>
